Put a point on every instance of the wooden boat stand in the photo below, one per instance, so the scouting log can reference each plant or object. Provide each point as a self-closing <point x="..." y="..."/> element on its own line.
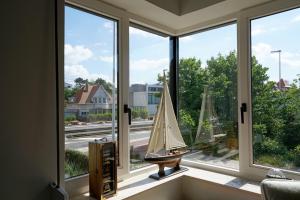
<point x="174" y="169"/>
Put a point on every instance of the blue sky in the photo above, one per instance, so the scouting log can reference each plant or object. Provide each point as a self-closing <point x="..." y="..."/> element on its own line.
<point x="89" y="46"/>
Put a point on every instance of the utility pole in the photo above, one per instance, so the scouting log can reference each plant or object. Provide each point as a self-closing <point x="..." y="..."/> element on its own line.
<point x="279" y="65"/>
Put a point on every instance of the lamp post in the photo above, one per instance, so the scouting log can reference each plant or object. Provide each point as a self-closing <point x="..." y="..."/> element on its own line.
<point x="279" y="65"/>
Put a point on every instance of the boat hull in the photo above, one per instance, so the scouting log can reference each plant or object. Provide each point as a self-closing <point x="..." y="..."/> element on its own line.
<point x="172" y="161"/>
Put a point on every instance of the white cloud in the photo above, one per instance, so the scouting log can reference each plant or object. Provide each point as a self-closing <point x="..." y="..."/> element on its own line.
<point x="291" y="59"/>
<point x="296" y="19"/>
<point x="100" y="44"/>
<point x="261" y="50"/>
<point x="186" y="38"/>
<point x="138" y="32"/>
<point x="257" y="31"/>
<point x="108" y="59"/>
<point x="108" y="25"/>
<point x="76" y="54"/>
<point x="74" y="71"/>
<point x="145" y="64"/>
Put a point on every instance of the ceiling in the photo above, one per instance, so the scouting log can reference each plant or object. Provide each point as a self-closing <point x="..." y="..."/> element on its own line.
<point x="180" y="14"/>
<point x="182" y="7"/>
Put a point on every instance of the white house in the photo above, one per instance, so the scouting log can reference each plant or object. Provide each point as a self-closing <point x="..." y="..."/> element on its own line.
<point x="145" y="96"/>
<point x="89" y="99"/>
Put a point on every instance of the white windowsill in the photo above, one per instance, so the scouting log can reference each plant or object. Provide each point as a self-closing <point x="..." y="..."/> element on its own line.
<point x="141" y="183"/>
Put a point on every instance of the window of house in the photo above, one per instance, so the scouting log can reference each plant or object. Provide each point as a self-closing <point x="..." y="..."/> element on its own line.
<point x="100" y="100"/>
<point x="208" y="111"/>
<point x="275" y="91"/>
<point x="149" y="57"/>
<point x="94" y="100"/>
<point x="90" y="62"/>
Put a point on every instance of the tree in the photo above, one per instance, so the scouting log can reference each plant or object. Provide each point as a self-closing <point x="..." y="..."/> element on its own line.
<point x="107" y="86"/>
<point x="275" y="113"/>
<point x="80" y="82"/>
<point x="69" y="92"/>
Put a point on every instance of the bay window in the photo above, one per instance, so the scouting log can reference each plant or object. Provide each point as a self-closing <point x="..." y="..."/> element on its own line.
<point x="237" y="85"/>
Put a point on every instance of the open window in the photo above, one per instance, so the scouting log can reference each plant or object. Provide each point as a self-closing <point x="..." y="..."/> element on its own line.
<point x="275" y="90"/>
<point x="207" y="92"/>
<point x="149" y="57"/>
<point x="91" y="85"/>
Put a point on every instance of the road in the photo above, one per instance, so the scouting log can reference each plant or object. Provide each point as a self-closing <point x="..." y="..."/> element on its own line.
<point x="137" y="138"/>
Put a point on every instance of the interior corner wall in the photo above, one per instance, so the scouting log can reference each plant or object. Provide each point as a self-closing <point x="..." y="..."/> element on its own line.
<point x="28" y="99"/>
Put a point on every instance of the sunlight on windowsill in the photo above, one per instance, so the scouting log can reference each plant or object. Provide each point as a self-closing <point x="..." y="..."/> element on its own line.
<point x="137" y="185"/>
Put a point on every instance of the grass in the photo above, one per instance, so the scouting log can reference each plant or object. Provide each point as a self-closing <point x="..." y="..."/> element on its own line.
<point x="76" y="163"/>
<point x="274" y="161"/>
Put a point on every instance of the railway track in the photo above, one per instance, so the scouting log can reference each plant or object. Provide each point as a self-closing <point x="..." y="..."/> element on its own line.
<point x="103" y="131"/>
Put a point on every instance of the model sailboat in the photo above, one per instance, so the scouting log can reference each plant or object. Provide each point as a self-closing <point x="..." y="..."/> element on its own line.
<point x="166" y="145"/>
<point x="209" y="125"/>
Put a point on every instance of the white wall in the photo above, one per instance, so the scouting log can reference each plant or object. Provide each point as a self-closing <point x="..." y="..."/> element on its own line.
<point x="195" y="189"/>
<point x="168" y="191"/>
<point x="140" y="99"/>
<point x="28" y="108"/>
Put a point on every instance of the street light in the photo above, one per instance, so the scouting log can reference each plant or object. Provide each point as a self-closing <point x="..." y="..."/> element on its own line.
<point x="279" y="57"/>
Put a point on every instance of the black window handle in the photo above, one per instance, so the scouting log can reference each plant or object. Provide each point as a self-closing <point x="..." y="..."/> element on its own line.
<point x="128" y="110"/>
<point x="243" y="109"/>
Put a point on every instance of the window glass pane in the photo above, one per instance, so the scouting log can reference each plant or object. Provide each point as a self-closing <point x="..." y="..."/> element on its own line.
<point x="90" y="85"/>
<point x="275" y="90"/>
<point x="149" y="56"/>
<point x="208" y="96"/>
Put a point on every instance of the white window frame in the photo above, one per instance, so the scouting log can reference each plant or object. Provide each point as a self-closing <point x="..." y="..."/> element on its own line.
<point x="247" y="169"/>
<point x="78" y="185"/>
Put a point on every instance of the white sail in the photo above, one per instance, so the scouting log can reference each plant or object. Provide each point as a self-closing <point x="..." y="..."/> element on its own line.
<point x="208" y="124"/>
<point x="165" y="134"/>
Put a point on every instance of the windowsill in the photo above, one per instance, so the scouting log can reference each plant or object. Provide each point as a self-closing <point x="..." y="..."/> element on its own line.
<point x="141" y="183"/>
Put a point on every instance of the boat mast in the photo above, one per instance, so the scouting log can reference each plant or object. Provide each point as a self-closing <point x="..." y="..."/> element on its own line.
<point x="164" y="113"/>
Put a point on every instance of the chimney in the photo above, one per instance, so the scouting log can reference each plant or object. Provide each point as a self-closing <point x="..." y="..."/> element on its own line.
<point x="86" y="87"/>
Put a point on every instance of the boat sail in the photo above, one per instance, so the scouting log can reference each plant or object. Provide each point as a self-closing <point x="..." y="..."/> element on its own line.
<point x="208" y="124"/>
<point x="166" y="145"/>
<point x="165" y="135"/>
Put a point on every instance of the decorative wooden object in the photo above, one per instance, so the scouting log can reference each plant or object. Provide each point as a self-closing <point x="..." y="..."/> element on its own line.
<point x="102" y="169"/>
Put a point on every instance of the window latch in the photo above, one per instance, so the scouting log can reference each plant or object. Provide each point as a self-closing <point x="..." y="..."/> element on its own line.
<point x="128" y="110"/>
<point x="243" y="109"/>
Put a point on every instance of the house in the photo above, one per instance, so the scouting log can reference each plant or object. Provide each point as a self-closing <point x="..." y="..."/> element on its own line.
<point x="145" y="96"/>
<point x="32" y="144"/>
<point x="283" y="85"/>
<point x="89" y="99"/>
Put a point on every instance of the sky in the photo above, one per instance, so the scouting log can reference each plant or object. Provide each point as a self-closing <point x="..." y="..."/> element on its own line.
<point x="89" y="46"/>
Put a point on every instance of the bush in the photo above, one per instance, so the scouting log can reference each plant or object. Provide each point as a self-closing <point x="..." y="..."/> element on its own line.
<point x="270" y="146"/>
<point x="99" y="117"/>
<point x="139" y="113"/>
<point x="70" y="118"/>
<point x="296" y="153"/>
<point x="134" y="113"/>
<point x="270" y="160"/>
<point x="76" y="163"/>
<point x="291" y="136"/>
<point x="144" y="114"/>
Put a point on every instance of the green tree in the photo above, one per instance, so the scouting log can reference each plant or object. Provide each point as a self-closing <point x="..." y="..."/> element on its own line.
<point x="107" y="86"/>
<point x="69" y="92"/>
<point x="80" y="82"/>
